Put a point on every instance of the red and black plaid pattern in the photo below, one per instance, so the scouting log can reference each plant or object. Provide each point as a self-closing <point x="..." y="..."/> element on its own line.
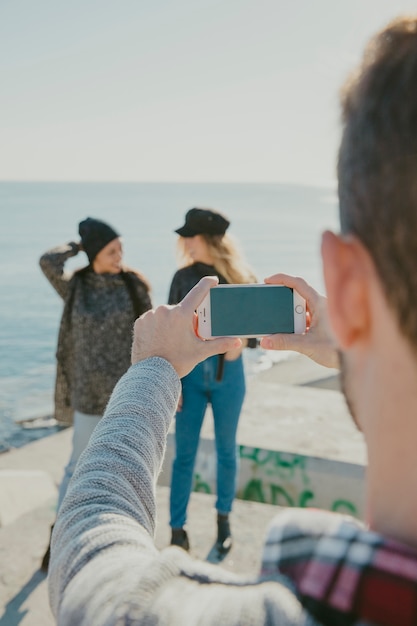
<point x="343" y="573"/>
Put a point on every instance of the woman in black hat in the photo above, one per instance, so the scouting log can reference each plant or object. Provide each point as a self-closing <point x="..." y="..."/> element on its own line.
<point x="207" y="250"/>
<point x="101" y="303"/>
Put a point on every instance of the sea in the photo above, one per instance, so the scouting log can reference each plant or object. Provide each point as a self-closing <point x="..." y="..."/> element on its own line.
<point x="277" y="227"/>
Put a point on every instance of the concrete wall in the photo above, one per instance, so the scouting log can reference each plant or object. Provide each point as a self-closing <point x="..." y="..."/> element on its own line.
<point x="282" y="478"/>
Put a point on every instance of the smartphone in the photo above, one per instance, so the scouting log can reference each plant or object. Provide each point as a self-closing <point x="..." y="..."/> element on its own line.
<point x="251" y="311"/>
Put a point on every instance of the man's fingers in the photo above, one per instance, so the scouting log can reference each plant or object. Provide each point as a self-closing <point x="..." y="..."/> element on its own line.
<point x="294" y="282"/>
<point x="198" y="293"/>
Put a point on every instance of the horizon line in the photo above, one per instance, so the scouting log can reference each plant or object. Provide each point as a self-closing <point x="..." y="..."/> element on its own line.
<point x="327" y="184"/>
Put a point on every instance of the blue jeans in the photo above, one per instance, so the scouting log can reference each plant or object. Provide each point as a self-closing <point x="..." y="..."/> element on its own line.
<point x="199" y="388"/>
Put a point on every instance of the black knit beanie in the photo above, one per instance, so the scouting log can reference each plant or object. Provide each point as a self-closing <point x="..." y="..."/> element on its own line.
<point x="95" y="235"/>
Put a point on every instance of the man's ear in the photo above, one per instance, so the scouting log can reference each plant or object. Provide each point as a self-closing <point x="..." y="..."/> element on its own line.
<point x="345" y="268"/>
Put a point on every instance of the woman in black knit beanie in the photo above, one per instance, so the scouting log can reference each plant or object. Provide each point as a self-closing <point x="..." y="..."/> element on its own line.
<point x="101" y="303"/>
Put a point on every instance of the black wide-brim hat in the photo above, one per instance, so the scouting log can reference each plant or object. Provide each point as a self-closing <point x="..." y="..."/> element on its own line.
<point x="203" y="222"/>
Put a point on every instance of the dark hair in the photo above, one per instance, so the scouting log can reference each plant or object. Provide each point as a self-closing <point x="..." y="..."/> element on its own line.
<point x="377" y="166"/>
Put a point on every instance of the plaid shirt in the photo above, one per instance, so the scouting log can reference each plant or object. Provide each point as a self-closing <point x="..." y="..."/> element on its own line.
<point x="343" y="573"/>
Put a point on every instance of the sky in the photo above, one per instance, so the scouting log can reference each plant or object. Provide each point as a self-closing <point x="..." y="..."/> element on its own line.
<point x="178" y="90"/>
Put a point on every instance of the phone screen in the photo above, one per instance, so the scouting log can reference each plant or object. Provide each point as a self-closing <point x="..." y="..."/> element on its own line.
<point x="251" y="310"/>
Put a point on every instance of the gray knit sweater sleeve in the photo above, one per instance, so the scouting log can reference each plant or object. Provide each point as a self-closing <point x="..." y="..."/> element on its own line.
<point x="105" y="569"/>
<point x="52" y="264"/>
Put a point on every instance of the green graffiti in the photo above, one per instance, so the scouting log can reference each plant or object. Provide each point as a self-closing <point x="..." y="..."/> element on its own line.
<point x="260" y="456"/>
<point x="281" y="464"/>
<point x="305" y="496"/>
<point x="254" y="491"/>
<point x="288" y="464"/>
<point x="201" y="485"/>
<point x="270" y="470"/>
<point x="344" y="506"/>
<point x="280" y="497"/>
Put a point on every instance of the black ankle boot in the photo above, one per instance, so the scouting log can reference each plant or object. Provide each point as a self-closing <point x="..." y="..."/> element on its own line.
<point x="46" y="556"/>
<point x="180" y="538"/>
<point x="224" y="535"/>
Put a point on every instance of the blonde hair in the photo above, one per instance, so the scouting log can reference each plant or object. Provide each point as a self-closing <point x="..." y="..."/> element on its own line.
<point x="227" y="258"/>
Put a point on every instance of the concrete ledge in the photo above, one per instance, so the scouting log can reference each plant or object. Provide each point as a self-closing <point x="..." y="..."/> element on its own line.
<point x="297" y="443"/>
<point x="22" y="491"/>
<point x="281" y="478"/>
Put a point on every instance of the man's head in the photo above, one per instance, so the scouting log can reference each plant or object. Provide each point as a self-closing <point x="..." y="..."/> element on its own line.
<point x="370" y="270"/>
<point x="377" y="167"/>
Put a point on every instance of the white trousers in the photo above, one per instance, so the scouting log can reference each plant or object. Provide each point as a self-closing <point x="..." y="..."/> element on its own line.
<point x="83" y="426"/>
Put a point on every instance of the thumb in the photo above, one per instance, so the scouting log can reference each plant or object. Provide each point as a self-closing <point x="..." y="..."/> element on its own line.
<point x="282" y="341"/>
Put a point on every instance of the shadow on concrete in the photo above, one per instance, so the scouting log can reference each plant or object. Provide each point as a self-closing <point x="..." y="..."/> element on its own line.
<point x="13" y="614"/>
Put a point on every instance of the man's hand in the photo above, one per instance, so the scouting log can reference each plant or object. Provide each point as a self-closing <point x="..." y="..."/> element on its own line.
<point x="171" y="333"/>
<point x="317" y="342"/>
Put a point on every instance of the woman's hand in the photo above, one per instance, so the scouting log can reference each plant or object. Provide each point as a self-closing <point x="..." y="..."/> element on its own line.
<point x="317" y="342"/>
